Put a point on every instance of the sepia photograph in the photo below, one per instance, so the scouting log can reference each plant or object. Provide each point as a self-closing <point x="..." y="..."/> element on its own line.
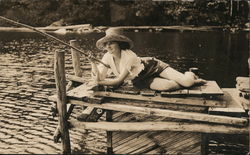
<point x="167" y="77"/>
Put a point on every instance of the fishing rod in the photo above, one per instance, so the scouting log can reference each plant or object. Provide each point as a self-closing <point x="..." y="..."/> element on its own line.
<point x="51" y="37"/>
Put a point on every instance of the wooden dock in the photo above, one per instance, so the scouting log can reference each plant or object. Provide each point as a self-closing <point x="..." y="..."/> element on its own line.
<point x="146" y="121"/>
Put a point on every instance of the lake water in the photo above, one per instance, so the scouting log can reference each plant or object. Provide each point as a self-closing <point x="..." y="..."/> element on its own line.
<point x="220" y="56"/>
<point x="26" y="79"/>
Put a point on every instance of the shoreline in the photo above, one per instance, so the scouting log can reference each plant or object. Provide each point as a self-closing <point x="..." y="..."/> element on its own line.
<point x="87" y="28"/>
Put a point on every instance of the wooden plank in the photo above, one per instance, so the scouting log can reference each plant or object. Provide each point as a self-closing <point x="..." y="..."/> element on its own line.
<point x="145" y="148"/>
<point x="189" y="143"/>
<point x="179" y="143"/>
<point x="178" y="93"/>
<point x="211" y="88"/>
<point x="233" y="103"/>
<point x="81" y="91"/>
<point x="124" y="138"/>
<point x="142" y="143"/>
<point x="170" y="113"/>
<point x="133" y="144"/>
<point x="193" y="147"/>
<point x="148" y="93"/>
<point x="164" y="140"/>
<point x="183" y="101"/>
<point x="84" y="93"/>
<point x="133" y="92"/>
<point x="137" y="143"/>
<point x="159" y="105"/>
<point x="87" y="110"/>
<point x="142" y="104"/>
<point x="159" y="126"/>
<point x="175" y="140"/>
<point x="243" y="84"/>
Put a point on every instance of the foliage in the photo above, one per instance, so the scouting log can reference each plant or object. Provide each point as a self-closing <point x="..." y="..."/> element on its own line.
<point x="138" y="12"/>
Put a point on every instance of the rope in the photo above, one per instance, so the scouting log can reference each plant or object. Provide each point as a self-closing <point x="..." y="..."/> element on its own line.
<point x="52" y="37"/>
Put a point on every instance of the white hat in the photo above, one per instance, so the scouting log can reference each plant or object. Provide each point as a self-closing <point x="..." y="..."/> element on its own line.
<point x="113" y="34"/>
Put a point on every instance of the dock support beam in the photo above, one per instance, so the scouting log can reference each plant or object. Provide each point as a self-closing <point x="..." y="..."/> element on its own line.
<point x="59" y="70"/>
<point x="109" y="115"/>
<point x="76" y="58"/>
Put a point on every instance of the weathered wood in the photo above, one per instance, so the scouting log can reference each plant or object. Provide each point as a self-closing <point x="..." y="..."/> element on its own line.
<point x="76" y="58"/>
<point x="141" y="104"/>
<point x="234" y="106"/>
<point x="109" y="115"/>
<point x="159" y="126"/>
<point x="204" y="144"/>
<point x="57" y="134"/>
<point x="243" y="84"/>
<point x="85" y="93"/>
<point x="85" y="114"/>
<point x="137" y="142"/>
<point x="59" y="70"/>
<point x="209" y="89"/>
<point x="93" y="116"/>
<point x="166" y="113"/>
<point x="177" y="93"/>
<point x="183" y="101"/>
<point x="88" y="110"/>
<point x="148" y="93"/>
<point x="76" y="78"/>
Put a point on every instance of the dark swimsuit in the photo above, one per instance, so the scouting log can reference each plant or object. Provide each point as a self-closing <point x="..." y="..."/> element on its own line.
<point x="152" y="69"/>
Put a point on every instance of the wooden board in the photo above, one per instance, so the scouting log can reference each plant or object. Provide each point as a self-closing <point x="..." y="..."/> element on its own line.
<point x="84" y="92"/>
<point x="243" y="84"/>
<point x="234" y="104"/>
<point x="162" y="142"/>
<point x="179" y="101"/>
<point x="211" y="88"/>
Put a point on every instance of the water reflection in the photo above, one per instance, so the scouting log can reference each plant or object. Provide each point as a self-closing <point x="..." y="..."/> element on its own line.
<point x="26" y="79"/>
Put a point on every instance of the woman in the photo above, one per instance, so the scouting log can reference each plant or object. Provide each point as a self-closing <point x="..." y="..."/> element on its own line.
<point x="144" y="72"/>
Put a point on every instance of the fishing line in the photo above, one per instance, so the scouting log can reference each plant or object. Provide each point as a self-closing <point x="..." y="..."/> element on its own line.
<point x="52" y="37"/>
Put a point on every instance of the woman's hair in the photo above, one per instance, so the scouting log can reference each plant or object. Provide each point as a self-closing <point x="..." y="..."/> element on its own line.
<point x="123" y="45"/>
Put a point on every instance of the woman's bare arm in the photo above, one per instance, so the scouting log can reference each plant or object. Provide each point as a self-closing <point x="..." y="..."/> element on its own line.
<point x="114" y="82"/>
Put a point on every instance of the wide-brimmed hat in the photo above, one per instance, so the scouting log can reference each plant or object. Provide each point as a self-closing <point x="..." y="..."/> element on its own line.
<point x="113" y="34"/>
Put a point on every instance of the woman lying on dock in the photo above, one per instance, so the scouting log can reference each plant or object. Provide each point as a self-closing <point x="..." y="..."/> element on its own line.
<point x="144" y="72"/>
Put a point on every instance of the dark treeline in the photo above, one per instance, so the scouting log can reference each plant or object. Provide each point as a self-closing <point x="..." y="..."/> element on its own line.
<point x="127" y="12"/>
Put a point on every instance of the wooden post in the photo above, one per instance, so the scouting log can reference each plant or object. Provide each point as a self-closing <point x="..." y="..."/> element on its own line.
<point x="109" y="115"/>
<point x="76" y="59"/>
<point x="59" y="70"/>
<point x="57" y="133"/>
<point x="204" y="143"/>
<point x="78" y="73"/>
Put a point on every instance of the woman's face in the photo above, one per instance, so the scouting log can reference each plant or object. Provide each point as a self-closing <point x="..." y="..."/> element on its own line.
<point x="112" y="47"/>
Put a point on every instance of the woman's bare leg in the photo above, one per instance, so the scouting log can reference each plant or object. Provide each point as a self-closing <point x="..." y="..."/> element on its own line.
<point x="163" y="84"/>
<point x="186" y="80"/>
